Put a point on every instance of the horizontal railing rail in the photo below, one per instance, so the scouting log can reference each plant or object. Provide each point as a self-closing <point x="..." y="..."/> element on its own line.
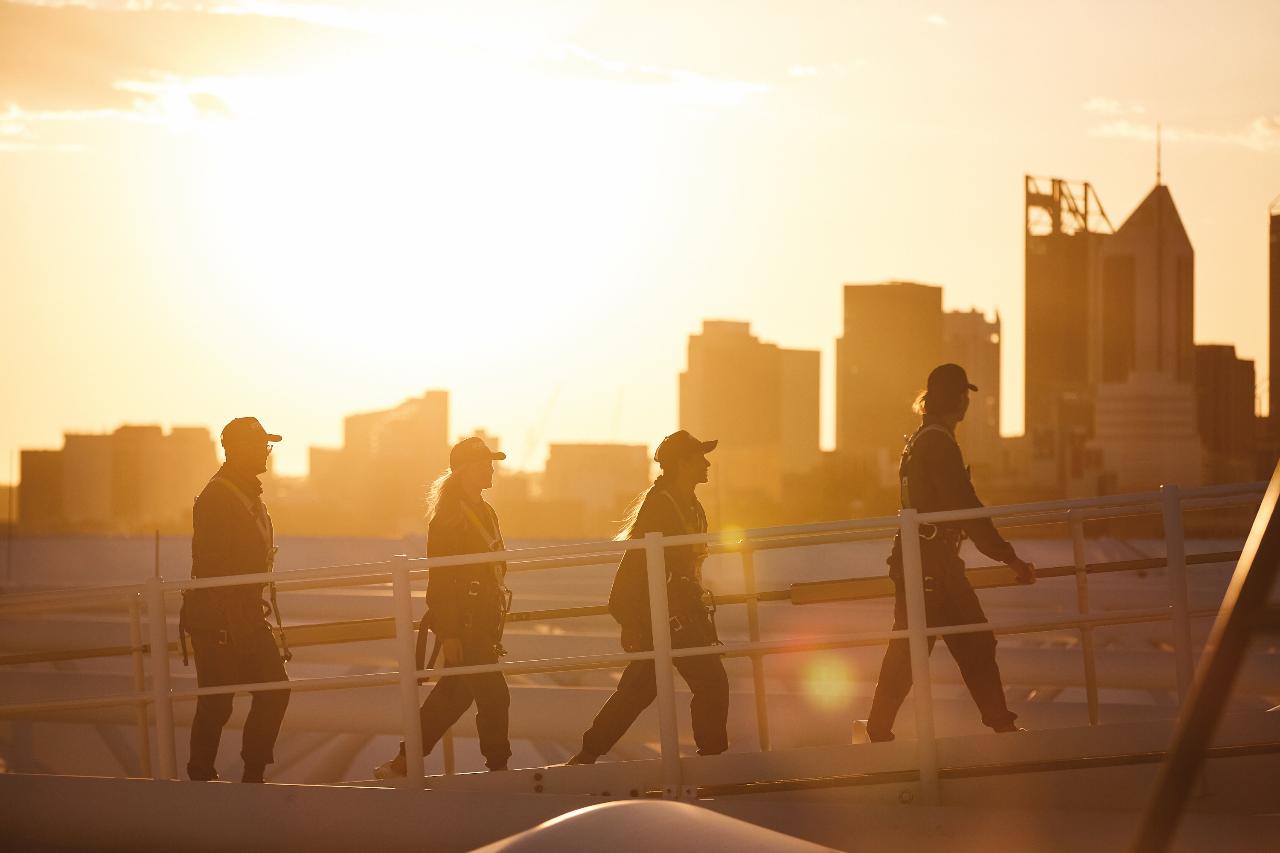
<point x="402" y="571"/>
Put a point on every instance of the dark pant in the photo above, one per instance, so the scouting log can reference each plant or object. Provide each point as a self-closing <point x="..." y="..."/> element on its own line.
<point x="638" y="687"/>
<point x="453" y="695"/>
<point x="243" y="655"/>
<point x="951" y="601"/>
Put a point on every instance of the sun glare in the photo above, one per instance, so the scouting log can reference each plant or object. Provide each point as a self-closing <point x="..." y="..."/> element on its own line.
<point x="491" y="207"/>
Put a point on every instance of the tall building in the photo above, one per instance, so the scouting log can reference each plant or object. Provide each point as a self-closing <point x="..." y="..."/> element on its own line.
<point x="1273" y="290"/>
<point x="892" y="339"/>
<point x="137" y="476"/>
<point x="86" y="481"/>
<point x="376" y="484"/>
<point x="40" y="498"/>
<point x="1225" y="412"/>
<point x="1065" y="229"/>
<point x="760" y="401"/>
<point x="600" y="479"/>
<point x="1146" y="411"/>
<point x="972" y="341"/>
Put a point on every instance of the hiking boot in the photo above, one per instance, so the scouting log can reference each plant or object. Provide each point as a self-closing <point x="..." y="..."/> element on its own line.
<point x="254" y="773"/>
<point x="583" y="757"/>
<point x="393" y="769"/>
<point x="1007" y="728"/>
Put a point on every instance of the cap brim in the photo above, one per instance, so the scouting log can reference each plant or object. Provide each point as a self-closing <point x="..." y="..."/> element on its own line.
<point x="273" y="437"/>
<point x="497" y="456"/>
<point x="973" y="387"/>
<point x="708" y="446"/>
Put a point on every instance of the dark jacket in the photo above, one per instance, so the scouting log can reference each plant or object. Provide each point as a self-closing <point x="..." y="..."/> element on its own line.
<point x="662" y="512"/>
<point x="465" y="600"/>
<point x="938" y="480"/>
<point x="229" y="537"/>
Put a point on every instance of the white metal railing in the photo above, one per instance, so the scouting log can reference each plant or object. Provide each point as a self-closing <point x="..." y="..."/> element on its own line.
<point x="1169" y="502"/>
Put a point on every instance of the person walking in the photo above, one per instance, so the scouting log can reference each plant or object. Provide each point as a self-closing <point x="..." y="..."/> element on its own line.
<point x="669" y="507"/>
<point x="934" y="478"/>
<point x="467" y="608"/>
<point x="230" y="637"/>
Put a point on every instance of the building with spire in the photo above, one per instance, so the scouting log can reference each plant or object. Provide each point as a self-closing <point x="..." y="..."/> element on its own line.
<point x="1145" y="420"/>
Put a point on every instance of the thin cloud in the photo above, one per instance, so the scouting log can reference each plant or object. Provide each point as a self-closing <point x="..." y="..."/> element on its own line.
<point x="1262" y="134"/>
<point x="935" y="20"/>
<point x="1112" y="107"/>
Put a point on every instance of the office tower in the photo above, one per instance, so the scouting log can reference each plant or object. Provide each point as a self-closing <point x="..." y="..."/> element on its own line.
<point x="1146" y="411"/>
<point x="1225" y="412"/>
<point x="1065" y="228"/>
<point x="1273" y="290"/>
<point x="376" y="484"/>
<point x="601" y="479"/>
<point x="760" y="401"/>
<point x="87" y="481"/>
<point x="40" y="491"/>
<point x="892" y="339"/>
<point x="137" y="477"/>
<point x="972" y="341"/>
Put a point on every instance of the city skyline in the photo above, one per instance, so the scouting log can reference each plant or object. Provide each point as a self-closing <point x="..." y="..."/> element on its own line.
<point x="228" y="235"/>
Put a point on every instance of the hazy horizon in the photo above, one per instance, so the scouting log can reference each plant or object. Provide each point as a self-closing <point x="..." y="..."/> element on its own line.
<point x="306" y="210"/>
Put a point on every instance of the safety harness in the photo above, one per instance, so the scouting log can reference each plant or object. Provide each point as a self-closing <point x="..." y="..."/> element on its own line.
<point x="951" y="537"/>
<point x="705" y="597"/>
<point x="493" y="542"/>
<point x="262" y="521"/>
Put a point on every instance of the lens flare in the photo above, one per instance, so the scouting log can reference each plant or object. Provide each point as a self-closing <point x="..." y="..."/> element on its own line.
<point x="827" y="682"/>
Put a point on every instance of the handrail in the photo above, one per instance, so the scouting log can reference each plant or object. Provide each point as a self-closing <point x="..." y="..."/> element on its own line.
<point x="1170" y="502"/>
<point x="801" y="593"/>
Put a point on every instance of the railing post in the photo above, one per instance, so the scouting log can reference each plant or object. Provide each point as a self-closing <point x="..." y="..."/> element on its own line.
<point x="158" y="629"/>
<point x="139" y="683"/>
<point x="753" y="633"/>
<point x="918" y="642"/>
<point x="406" y="656"/>
<point x="660" y="625"/>
<point x="1176" y="558"/>
<point x="1076" y="524"/>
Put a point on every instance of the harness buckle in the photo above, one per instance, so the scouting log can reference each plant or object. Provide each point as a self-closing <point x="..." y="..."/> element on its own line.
<point x="473" y="588"/>
<point x="677" y="624"/>
<point x="932" y="534"/>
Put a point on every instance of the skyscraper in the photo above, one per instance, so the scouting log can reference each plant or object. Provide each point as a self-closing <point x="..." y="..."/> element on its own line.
<point x="1273" y="345"/>
<point x="1225" y="412"/>
<point x="760" y="401"/>
<point x="892" y="339"/>
<point x="1145" y="416"/>
<point x="1065" y="228"/>
<point x="972" y="341"/>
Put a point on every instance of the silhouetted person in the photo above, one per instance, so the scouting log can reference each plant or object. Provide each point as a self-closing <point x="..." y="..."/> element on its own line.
<point x="934" y="479"/>
<point x="230" y="637"/>
<point x="669" y="507"/>
<point x="467" y="608"/>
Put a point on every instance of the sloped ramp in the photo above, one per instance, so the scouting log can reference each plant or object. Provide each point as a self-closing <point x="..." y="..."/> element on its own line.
<point x="642" y="826"/>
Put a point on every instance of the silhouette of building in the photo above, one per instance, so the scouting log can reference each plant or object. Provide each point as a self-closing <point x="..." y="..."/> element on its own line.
<point x="1273" y="290"/>
<point x="972" y="341"/>
<point x="87" y="483"/>
<point x="132" y="480"/>
<point x="892" y="339"/>
<point x="761" y="402"/>
<point x="1146" y="412"/>
<point x="1225" y="412"/>
<point x="376" y="483"/>
<point x="1065" y="229"/>
<point x="603" y="479"/>
<point x="40" y="506"/>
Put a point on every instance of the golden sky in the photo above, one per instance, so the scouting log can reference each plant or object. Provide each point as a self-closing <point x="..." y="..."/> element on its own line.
<point x="302" y="210"/>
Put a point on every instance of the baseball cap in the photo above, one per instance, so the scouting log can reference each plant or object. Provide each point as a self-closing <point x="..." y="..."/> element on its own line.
<point x="473" y="449"/>
<point x="241" y="430"/>
<point x="949" y="378"/>
<point x="681" y="444"/>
